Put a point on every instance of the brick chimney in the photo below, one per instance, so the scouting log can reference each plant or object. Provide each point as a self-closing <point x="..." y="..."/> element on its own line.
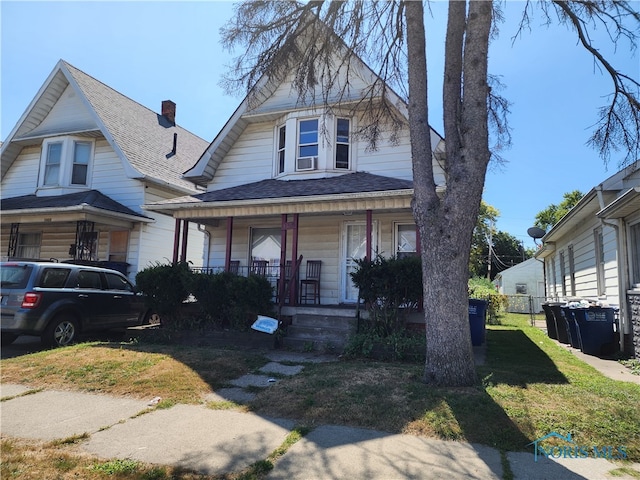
<point x="169" y="110"/>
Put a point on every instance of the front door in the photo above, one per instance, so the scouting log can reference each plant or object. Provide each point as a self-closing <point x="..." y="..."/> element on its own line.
<point x="354" y="247"/>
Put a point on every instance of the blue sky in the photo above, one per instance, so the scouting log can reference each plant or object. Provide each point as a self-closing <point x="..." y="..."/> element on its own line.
<point x="152" y="51"/>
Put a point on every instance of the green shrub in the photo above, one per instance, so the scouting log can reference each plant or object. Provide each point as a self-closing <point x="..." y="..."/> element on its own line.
<point x="482" y="288"/>
<point x="390" y="288"/>
<point x="232" y="301"/>
<point x="166" y="287"/>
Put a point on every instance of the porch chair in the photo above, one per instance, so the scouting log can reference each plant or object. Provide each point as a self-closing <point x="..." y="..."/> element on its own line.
<point x="310" y="285"/>
<point x="234" y="267"/>
<point x="259" y="267"/>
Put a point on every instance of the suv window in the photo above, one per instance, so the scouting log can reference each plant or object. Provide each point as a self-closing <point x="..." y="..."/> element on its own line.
<point x="116" y="282"/>
<point x="54" y="277"/>
<point x="89" y="279"/>
<point x="15" y="276"/>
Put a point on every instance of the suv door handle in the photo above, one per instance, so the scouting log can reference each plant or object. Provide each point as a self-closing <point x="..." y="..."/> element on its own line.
<point x="117" y="296"/>
<point x="82" y="295"/>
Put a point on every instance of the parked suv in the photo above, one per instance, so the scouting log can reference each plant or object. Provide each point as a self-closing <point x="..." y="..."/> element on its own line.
<point x="57" y="301"/>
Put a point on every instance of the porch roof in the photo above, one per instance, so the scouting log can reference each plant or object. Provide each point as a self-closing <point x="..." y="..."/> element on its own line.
<point x="85" y="205"/>
<point x="354" y="191"/>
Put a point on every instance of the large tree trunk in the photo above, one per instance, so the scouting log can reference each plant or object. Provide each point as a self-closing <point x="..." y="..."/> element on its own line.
<point x="446" y="224"/>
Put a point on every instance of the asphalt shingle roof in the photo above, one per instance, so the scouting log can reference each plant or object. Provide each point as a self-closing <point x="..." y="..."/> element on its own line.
<point x="358" y="182"/>
<point x="91" y="198"/>
<point x="144" y="136"/>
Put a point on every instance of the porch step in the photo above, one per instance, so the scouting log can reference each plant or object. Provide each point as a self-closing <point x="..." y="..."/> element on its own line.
<point x="319" y="332"/>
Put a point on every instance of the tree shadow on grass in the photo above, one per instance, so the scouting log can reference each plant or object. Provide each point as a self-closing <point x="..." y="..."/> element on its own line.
<point x="514" y="359"/>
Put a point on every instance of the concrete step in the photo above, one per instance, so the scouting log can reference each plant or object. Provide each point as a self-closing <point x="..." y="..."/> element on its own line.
<point x="315" y="345"/>
<point x="328" y="321"/>
<point x="318" y="333"/>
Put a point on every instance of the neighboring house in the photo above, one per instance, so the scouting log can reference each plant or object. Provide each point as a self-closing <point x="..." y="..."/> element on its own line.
<point x="77" y="168"/>
<point x="523" y="283"/>
<point x="286" y="179"/>
<point x="593" y="252"/>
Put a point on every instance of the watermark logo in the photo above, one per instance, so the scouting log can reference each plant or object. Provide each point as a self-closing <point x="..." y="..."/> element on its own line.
<point x="568" y="448"/>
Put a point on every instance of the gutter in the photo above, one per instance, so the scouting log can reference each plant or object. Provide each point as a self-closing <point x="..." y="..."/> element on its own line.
<point x="84" y="207"/>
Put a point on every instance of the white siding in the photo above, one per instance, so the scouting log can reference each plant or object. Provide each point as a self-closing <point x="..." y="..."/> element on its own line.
<point x="69" y="114"/>
<point x="22" y="178"/>
<point x="108" y="176"/>
<point x="249" y="160"/>
<point x="157" y="238"/>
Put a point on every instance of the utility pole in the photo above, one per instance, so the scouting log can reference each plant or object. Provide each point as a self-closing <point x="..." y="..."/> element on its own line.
<point x="490" y="240"/>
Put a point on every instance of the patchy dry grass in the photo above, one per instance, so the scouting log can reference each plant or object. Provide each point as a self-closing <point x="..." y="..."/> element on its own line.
<point x="528" y="388"/>
<point x="176" y="374"/>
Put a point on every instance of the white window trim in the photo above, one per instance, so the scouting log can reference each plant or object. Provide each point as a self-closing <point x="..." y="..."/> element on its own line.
<point x="327" y="141"/>
<point x="66" y="162"/>
<point x="396" y="234"/>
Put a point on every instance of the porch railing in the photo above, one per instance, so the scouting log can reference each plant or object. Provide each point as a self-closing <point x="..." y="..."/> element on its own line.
<point x="270" y="272"/>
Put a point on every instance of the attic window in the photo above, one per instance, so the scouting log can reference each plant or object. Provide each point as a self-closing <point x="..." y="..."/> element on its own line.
<point x="66" y="161"/>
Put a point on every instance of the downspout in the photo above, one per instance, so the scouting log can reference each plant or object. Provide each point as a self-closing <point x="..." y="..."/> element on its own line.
<point x="623" y="274"/>
<point x="207" y="244"/>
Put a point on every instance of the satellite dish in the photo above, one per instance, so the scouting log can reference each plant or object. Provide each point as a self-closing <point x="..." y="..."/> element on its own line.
<point x="536" y="233"/>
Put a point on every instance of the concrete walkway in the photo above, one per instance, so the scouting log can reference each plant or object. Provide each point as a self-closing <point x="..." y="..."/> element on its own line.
<point x="222" y="441"/>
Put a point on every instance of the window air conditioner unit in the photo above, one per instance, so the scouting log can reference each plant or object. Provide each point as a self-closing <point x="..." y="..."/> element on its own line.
<point x="306" y="163"/>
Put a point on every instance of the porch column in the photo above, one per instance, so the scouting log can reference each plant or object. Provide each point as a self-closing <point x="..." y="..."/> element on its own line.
<point x="176" y="240"/>
<point x="185" y="236"/>
<point x="293" y="291"/>
<point x="283" y="256"/>
<point x="369" y="233"/>
<point x="227" y="255"/>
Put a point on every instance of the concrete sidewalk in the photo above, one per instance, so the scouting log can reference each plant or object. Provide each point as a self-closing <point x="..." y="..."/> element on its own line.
<point x="222" y="441"/>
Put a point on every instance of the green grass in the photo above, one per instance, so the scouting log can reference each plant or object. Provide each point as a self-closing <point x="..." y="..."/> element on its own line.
<point x="529" y="387"/>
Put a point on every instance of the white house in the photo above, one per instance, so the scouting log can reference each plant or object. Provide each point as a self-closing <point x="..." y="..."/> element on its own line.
<point x="522" y="283"/>
<point x="593" y="252"/>
<point x="78" y="166"/>
<point x="289" y="183"/>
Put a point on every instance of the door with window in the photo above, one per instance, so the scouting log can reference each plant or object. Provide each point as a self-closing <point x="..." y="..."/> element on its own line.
<point x="354" y="247"/>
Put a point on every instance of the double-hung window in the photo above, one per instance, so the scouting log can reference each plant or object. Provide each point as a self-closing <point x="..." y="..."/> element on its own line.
<point x="282" y="138"/>
<point x="28" y="245"/>
<point x="342" y="144"/>
<point x="307" y="144"/>
<point x="52" y="164"/>
<point x="66" y="162"/>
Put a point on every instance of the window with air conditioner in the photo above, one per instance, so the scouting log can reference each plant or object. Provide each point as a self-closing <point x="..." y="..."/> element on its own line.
<point x="307" y="144"/>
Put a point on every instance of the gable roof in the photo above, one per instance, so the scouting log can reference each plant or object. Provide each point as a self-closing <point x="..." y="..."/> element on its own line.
<point x="142" y="138"/>
<point x="247" y="112"/>
<point x="78" y="200"/>
<point x="617" y="196"/>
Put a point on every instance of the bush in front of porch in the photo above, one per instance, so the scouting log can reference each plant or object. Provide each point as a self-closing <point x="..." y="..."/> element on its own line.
<point x="220" y="300"/>
<point x="391" y="289"/>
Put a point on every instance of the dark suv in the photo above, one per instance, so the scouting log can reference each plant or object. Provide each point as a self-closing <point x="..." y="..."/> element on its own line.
<point x="58" y="300"/>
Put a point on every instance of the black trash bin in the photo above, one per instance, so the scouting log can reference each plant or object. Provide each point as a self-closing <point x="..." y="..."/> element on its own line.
<point x="552" y="328"/>
<point x="561" y="323"/>
<point x="477" y="320"/>
<point x="596" y="329"/>
<point x="572" y="327"/>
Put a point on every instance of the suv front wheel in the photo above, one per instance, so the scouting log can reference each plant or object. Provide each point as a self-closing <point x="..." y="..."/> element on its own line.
<point x="62" y="331"/>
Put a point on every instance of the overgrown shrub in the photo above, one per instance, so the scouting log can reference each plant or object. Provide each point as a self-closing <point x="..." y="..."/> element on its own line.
<point x="391" y="288"/>
<point x="166" y="287"/>
<point x="232" y="301"/>
<point x="222" y="300"/>
<point x="482" y="288"/>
